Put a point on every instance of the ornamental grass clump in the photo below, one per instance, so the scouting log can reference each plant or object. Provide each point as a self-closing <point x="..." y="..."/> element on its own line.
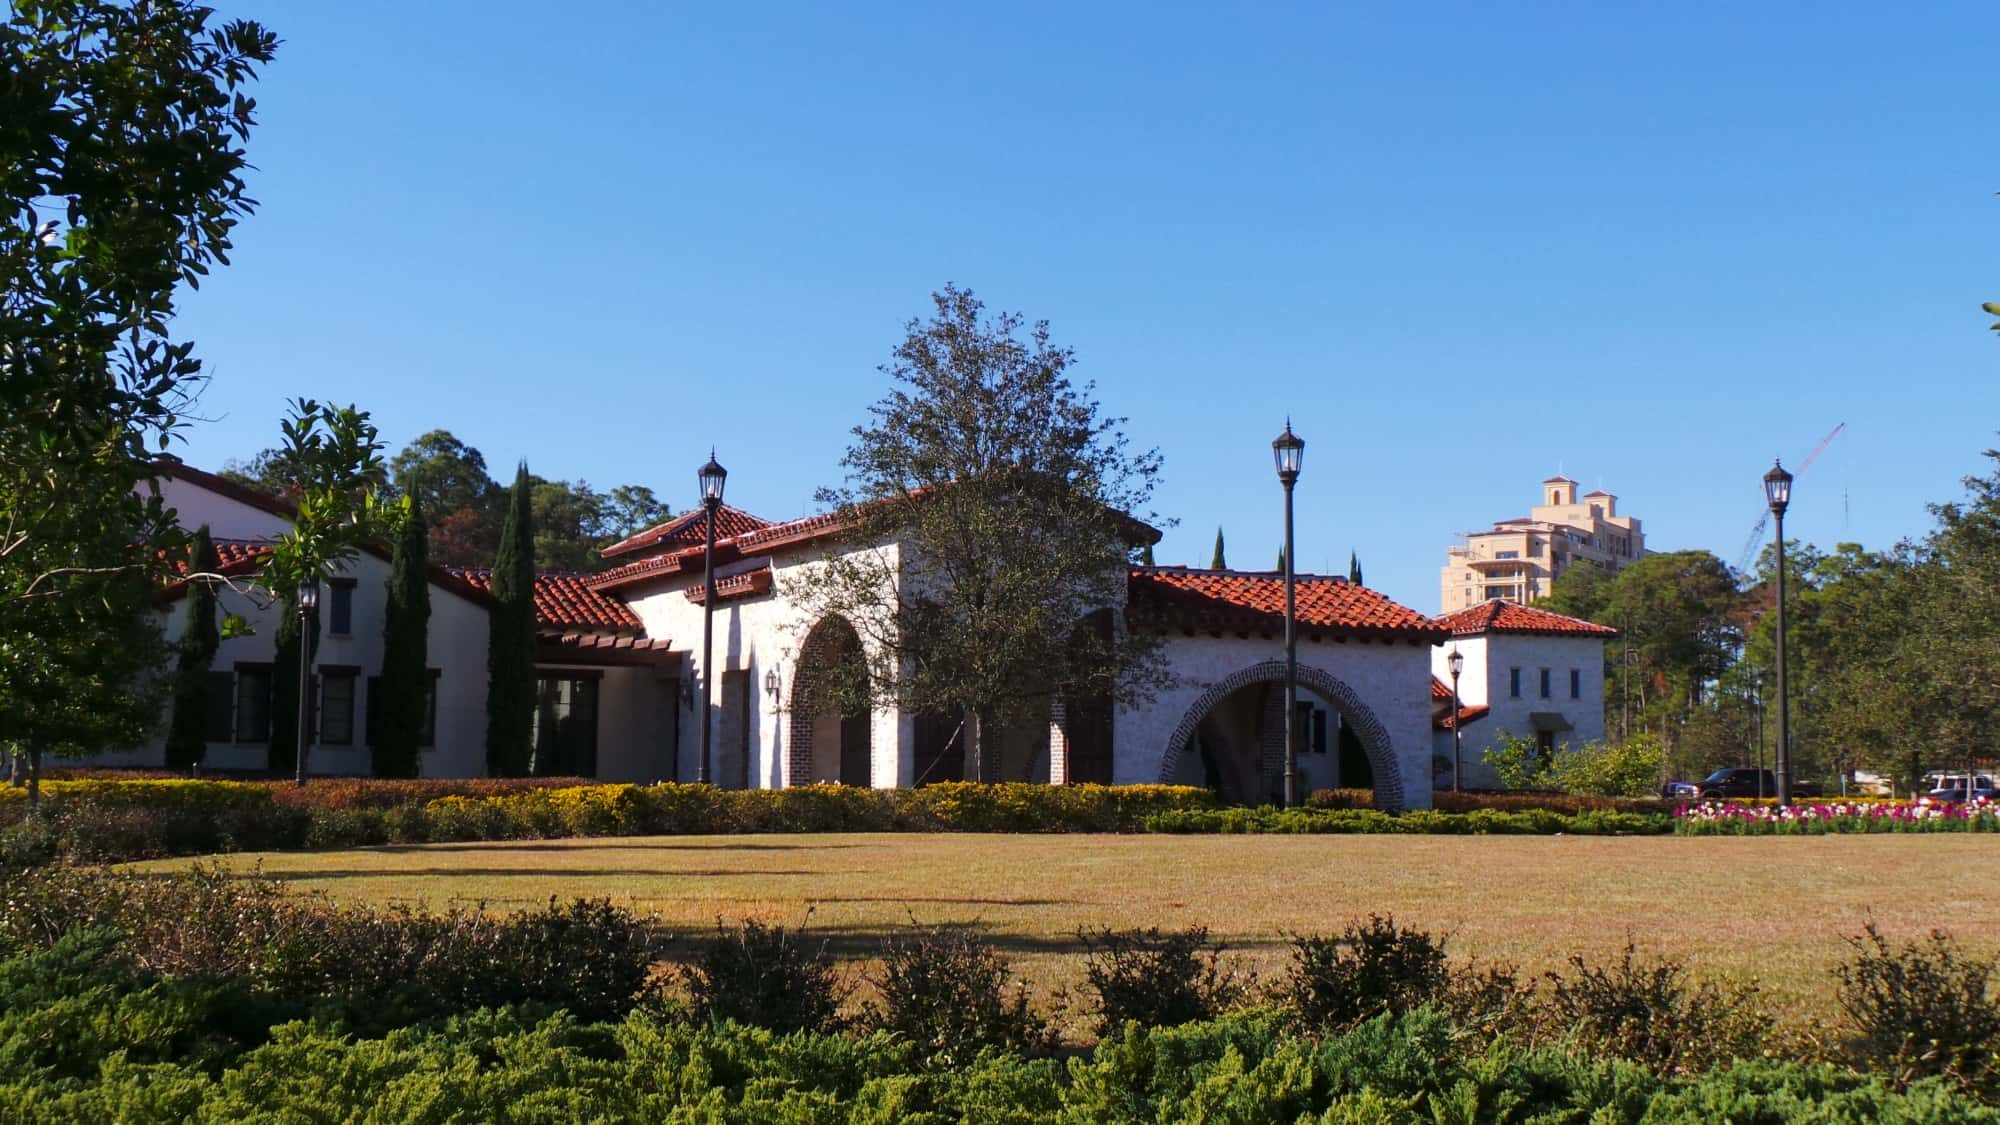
<point x="1922" y="1009"/>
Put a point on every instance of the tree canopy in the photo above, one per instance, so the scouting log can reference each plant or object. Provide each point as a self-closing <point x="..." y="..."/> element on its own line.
<point x="1011" y="500"/>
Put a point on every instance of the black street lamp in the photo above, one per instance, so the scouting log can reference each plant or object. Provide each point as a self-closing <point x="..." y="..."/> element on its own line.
<point x="713" y="476"/>
<point x="308" y="599"/>
<point x="1289" y="451"/>
<point x="1778" y="492"/>
<point x="1456" y="662"/>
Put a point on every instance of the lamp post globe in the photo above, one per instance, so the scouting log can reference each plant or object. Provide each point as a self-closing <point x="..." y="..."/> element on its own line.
<point x="712" y="477"/>
<point x="1288" y="452"/>
<point x="1778" y="494"/>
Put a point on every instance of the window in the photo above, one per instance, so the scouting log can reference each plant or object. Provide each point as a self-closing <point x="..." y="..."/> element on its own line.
<point x="1514" y="682"/>
<point x="253" y="703"/>
<point x="336" y="706"/>
<point x="1576" y="683"/>
<point x="1534" y="548"/>
<point x="1312" y="727"/>
<point x="340" y="608"/>
<point x="427" y="739"/>
<point x="566" y="727"/>
<point x="1506" y="554"/>
<point x="1545" y="683"/>
<point x="219" y="707"/>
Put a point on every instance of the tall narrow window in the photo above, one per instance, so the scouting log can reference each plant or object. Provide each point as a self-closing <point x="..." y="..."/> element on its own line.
<point x="1576" y="683"/>
<point x="336" y="706"/>
<point x="1514" y="682"/>
<point x="340" y="607"/>
<point x="220" y="707"/>
<point x="253" y="703"/>
<point x="1545" y="683"/>
<point x="566" y="727"/>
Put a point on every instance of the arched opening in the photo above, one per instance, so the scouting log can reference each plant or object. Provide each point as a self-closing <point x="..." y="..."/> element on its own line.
<point x="1232" y="739"/>
<point x="829" y="726"/>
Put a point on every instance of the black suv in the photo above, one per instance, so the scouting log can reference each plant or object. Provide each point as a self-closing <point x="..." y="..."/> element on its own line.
<point x="1750" y="783"/>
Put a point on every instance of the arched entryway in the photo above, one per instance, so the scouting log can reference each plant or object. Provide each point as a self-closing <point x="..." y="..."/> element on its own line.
<point x="1245" y="718"/>
<point x="829" y="727"/>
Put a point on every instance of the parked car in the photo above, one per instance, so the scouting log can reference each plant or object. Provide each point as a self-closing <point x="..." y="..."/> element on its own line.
<point x="1983" y="789"/>
<point x="1680" y="790"/>
<point x="1750" y="783"/>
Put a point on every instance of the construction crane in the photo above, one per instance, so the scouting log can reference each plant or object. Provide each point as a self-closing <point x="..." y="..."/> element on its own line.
<point x="1764" y="521"/>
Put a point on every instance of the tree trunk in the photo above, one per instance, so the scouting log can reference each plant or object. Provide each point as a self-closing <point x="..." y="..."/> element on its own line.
<point x="34" y="781"/>
<point x="975" y="743"/>
<point x="17" y="769"/>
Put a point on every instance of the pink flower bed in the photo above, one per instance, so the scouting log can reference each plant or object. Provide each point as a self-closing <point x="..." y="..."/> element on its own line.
<point x="1820" y="817"/>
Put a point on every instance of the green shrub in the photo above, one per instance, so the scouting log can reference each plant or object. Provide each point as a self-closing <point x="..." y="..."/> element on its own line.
<point x="765" y="976"/>
<point x="1372" y="968"/>
<point x="1651" y="1013"/>
<point x="1923" y="1009"/>
<point x="1631" y="768"/>
<point x="951" y="995"/>
<point x="1158" y="979"/>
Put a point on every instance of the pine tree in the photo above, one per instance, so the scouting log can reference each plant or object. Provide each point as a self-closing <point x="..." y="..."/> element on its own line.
<point x="1354" y="569"/>
<point x="187" y="734"/>
<point x="397" y="739"/>
<point x="510" y="650"/>
<point x="1218" y="562"/>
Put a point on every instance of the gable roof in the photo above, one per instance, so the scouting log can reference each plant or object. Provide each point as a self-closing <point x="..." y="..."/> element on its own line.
<point x="223" y="486"/>
<point x="1498" y="616"/>
<point x="686" y="530"/>
<point x="1242" y="601"/>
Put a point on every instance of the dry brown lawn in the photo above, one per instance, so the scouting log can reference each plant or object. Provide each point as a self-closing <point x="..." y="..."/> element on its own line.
<point x="1772" y="910"/>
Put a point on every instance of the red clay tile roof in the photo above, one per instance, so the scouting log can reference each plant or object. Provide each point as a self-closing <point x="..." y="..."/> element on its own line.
<point x="1467" y="714"/>
<point x="1238" y="602"/>
<point x="747" y="583"/>
<point x="564" y="600"/>
<point x="233" y="556"/>
<point x="1440" y="693"/>
<point x="1497" y="616"/>
<point x="686" y="530"/>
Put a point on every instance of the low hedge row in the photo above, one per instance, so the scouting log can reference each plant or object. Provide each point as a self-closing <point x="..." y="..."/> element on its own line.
<point x="109" y="821"/>
<point x="1444" y="800"/>
<point x="1422" y="822"/>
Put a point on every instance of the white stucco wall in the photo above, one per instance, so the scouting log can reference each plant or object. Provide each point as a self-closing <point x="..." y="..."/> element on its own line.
<point x="755" y="636"/>
<point x="227" y="518"/>
<point x="1391" y="679"/>
<point x="1486" y="679"/>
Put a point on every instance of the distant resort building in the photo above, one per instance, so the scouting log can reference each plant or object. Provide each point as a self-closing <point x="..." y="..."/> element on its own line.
<point x="1518" y="559"/>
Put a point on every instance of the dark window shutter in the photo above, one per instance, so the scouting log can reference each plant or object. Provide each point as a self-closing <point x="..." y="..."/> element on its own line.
<point x="371" y="710"/>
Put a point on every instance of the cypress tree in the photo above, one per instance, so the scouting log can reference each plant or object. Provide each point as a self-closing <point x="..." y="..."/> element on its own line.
<point x="1354" y="569"/>
<point x="187" y="733"/>
<point x="1218" y="562"/>
<point x="1281" y="560"/>
<point x="510" y="649"/>
<point x="405" y="685"/>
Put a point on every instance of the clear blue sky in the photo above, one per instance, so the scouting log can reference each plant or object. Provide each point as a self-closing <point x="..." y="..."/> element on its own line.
<point x="1462" y="245"/>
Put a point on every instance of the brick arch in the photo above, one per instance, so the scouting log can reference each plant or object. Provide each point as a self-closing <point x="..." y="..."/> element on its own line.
<point x="1356" y="714"/>
<point x="832" y="641"/>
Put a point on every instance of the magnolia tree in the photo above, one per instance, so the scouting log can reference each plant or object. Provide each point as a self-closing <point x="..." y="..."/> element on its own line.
<point x="121" y="180"/>
<point x="991" y="511"/>
<point x="336" y="487"/>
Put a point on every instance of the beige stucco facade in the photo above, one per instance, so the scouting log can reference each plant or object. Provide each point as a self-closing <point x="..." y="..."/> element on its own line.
<point x="1517" y="559"/>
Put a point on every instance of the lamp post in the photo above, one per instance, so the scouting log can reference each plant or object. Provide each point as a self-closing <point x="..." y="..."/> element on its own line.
<point x="1778" y="492"/>
<point x="308" y="599"/>
<point x="1456" y="662"/>
<point x="1289" y="450"/>
<point x="712" y="476"/>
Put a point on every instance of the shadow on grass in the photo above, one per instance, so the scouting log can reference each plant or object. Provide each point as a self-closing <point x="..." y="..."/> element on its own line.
<point x="447" y="873"/>
<point x="575" y="843"/>
<point x="865" y="942"/>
